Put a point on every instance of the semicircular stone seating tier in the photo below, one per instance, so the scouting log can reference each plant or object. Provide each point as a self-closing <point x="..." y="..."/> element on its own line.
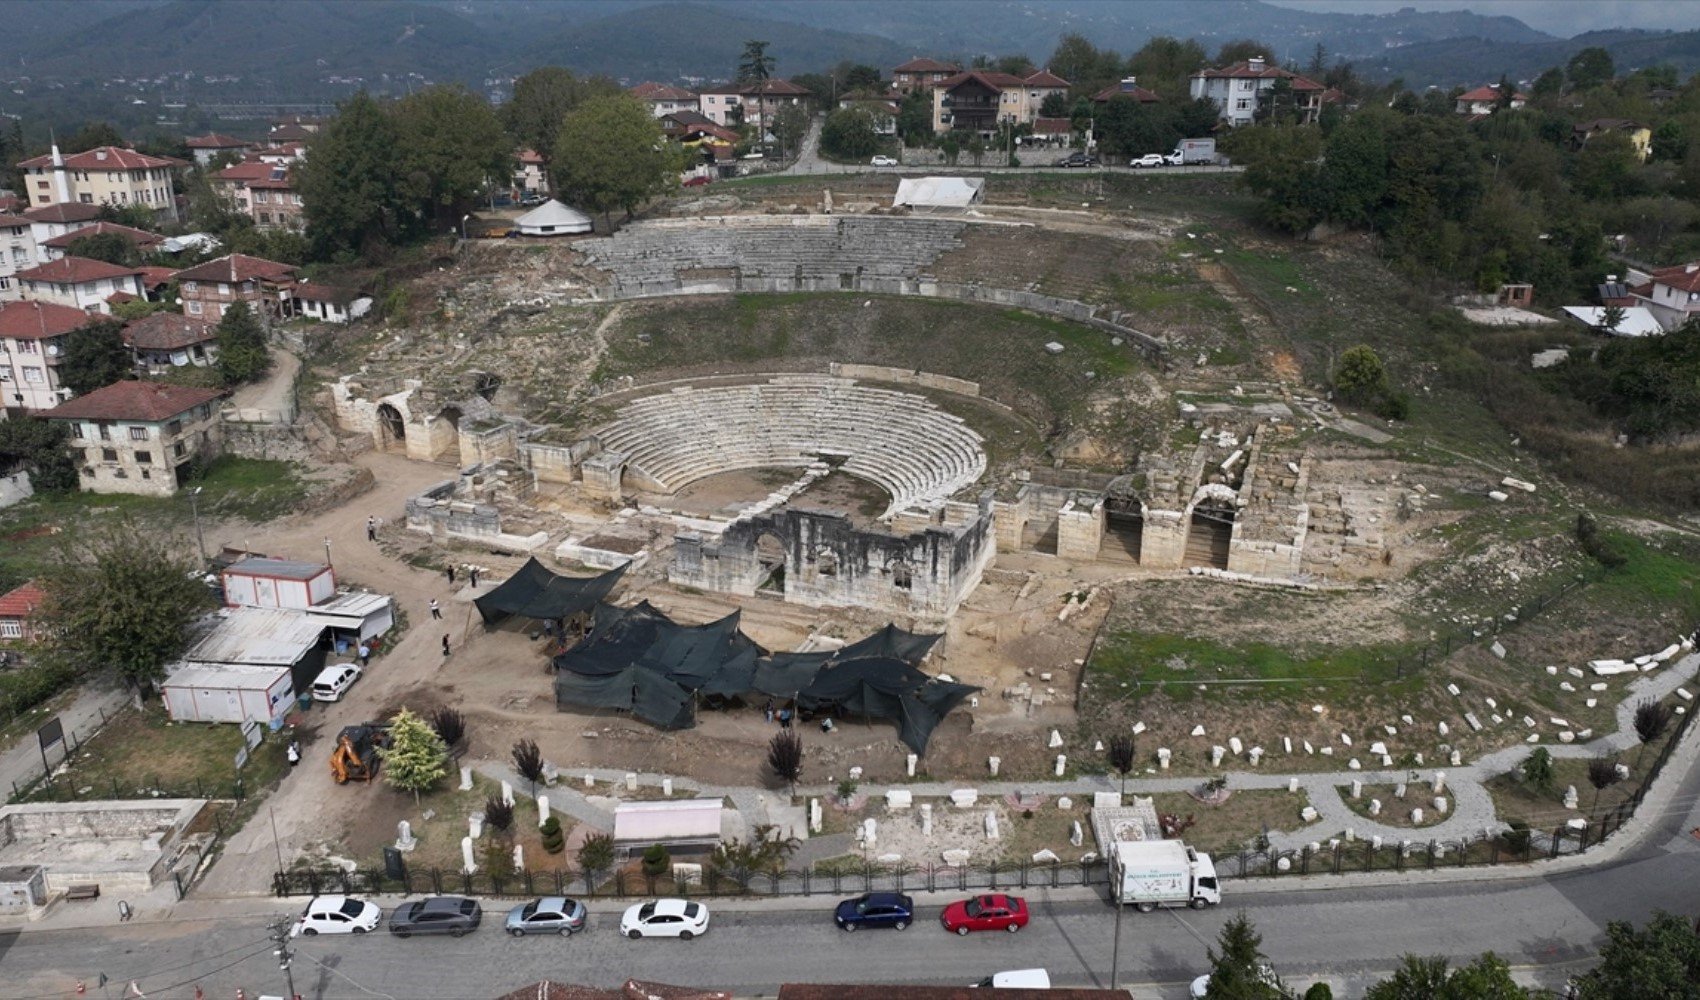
<point x="901" y="442"/>
<point x="810" y="246"/>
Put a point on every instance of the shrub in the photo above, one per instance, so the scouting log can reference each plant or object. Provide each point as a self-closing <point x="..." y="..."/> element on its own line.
<point x="1516" y="839"/>
<point x="1601" y="550"/>
<point x="554" y="840"/>
<point x="656" y="860"/>
<point x="499" y="814"/>
<point x="596" y="854"/>
<point x="449" y="724"/>
<point x="846" y="790"/>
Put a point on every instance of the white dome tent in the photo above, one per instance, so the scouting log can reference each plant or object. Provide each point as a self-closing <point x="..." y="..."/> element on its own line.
<point x="552" y="219"/>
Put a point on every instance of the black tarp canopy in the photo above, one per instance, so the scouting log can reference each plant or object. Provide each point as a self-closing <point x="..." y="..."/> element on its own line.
<point x="886" y="688"/>
<point x="787" y="675"/>
<point x="535" y="592"/>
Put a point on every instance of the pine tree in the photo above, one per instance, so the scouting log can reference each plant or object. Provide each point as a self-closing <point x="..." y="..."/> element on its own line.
<point x="1240" y="971"/>
<point x="416" y="758"/>
<point x="94" y="356"/>
<point x="242" y="355"/>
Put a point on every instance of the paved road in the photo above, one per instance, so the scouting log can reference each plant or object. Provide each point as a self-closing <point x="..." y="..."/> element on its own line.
<point x="20" y="763"/>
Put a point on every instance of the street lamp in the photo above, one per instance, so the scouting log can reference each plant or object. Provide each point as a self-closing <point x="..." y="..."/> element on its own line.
<point x="463" y="224"/>
<point x="195" y="509"/>
<point x="327" y="551"/>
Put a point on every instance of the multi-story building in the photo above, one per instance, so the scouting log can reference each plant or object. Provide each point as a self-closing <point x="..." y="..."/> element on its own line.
<point x="1236" y="90"/>
<point x="984" y="101"/>
<point x="209" y="289"/>
<point x="263" y="191"/>
<point x="921" y="74"/>
<point x="204" y="147"/>
<point x="1128" y="87"/>
<point x="18" y="251"/>
<point x="1672" y="294"/>
<point x="531" y="173"/>
<point x="57" y="220"/>
<point x="140" y="437"/>
<point x="32" y="341"/>
<point x="664" y="99"/>
<point x="105" y="175"/>
<point x="60" y="246"/>
<point x="756" y="104"/>
<point x="81" y="283"/>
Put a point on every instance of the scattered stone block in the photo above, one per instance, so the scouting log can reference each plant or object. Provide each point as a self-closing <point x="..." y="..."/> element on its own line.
<point x="1308" y="814"/>
<point x="1235" y="746"/>
<point x="1106" y="800"/>
<point x="1566" y="736"/>
<point x="1283" y="864"/>
<point x="1517" y="484"/>
<point x="1585" y="734"/>
<point x="964" y="798"/>
<point x="1443" y="728"/>
<point x="404" y="838"/>
<point x="1474" y="722"/>
<point x="1390" y="730"/>
<point x="466" y="779"/>
<point x="1354" y="765"/>
<point x="1308" y="748"/>
<point x="466" y="862"/>
<point x="815" y="817"/>
<point x="1497" y="649"/>
<point x="1076" y="836"/>
<point x="913" y="760"/>
<point x="870" y="833"/>
<point x="1292" y="785"/>
<point x="1357" y="788"/>
<point x="956" y="857"/>
<point x="631" y="781"/>
<point x="1138" y="727"/>
<point x="1378" y="748"/>
<point x="1408" y="720"/>
<point x="1375" y="843"/>
<point x="1198" y="730"/>
<point x="1591" y="702"/>
<point x="1399" y="790"/>
<point x="1575" y="671"/>
<point x="1216" y="754"/>
<point x="1351" y="835"/>
<point x="1346" y="738"/>
<point x="899" y="798"/>
<point x="1056" y="739"/>
<point x="1555" y="720"/>
<point x="1326" y="751"/>
<point x="1046" y="857"/>
<point x="1064" y="802"/>
<point x="1417" y="815"/>
<point x="992" y="825"/>
<point x="1062" y="764"/>
<point x="1498" y="496"/>
<point x="1286" y="744"/>
<point x="1163" y="755"/>
<point x="926" y="819"/>
<point x="1576" y="824"/>
<point x="1571" y="799"/>
<point x="1255" y="754"/>
<point x="1440" y="804"/>
<point x="1684" y="694"/>
<point x="1457" y="758"/>
<point x="994" y="763"/>
<point x="1452" y="689"/>
<point x="1552" y="671"/>
<point x="1375" y="807"/>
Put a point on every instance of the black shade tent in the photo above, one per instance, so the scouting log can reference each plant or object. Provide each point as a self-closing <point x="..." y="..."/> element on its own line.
<point x="535" y="592"/>
<point x="638" y="660"/>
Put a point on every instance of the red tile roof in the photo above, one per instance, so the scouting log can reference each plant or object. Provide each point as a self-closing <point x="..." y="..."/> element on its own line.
<point x="1045" y="78"/>
<point x="926" y="66"/>
<point x="314" y="292"/>
<point x="137" y="237"/>
<point x="774" y="88"/>
<point x="9" y="220"/>
<point x="251" y="169"/>
<point x="153" y="402"/>
<point x="212" y="140"/>
<point x="1682" y="277"/>
<point x="69" y="211"/>
<point x="290" y="133"/>
<point x="824" y="991"/>
<point x="1243" y="70"/>
<point x="530" y="156"/>
<point x="986" y="78"/>
<point x="168" y="332"/>
<point x="1489" y="93"/>
<point x="119" y="298"/>
<point x="22" y="602"/>
<point x="154" y="277"/>
<point x="1125" y="89"/>
<point x="75" y="271"/>
<point x="31" y="320"/>
<point x="662" y="92"/>
<point x="106" y="158"/>
<point x="237" y="267"/>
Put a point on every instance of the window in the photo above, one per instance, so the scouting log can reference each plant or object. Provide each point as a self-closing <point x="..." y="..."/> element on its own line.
<point x="191" y="286"/>
<point x="11" y="628"/>
<point x="174" y="428"/>
<point x="20" y="255"/>
<point x="144" y="458"/>
<point x="120" y="474"/>
<point x="85" y="198"/>
<point x="194" y="308"/>
<point x="41" y="185"/>
<point x="109" y="454"/>
<point x="138" y="433"/>
<point x="5" y="283"/>
<point x="105" y="431"/>
<point x="177" y="449"/>
<point x="28" y="347"/>
<point x="32" y="374"/>
<point x="146" y="474"/>
<point x="1242" y="104"/>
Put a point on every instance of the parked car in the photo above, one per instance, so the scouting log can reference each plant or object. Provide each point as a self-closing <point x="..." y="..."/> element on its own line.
<point x="884" y="161"/>
<point x="1019" y="979"/>
<point x="992" y="912"/>
<point x="334" y="681"/>
<point x="549" y="915"/>
<point x="1200" y="987"/>
<point x="451" y="915"/>
<point x="337" y="915"/>
<point x="875" y="909"/>
<point x="665" y="918"/>
<point x="1078" y="159"/>
<point x="1148" y="160"/>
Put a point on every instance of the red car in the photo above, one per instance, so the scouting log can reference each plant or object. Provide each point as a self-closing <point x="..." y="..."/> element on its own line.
<point x="985" y="913"/>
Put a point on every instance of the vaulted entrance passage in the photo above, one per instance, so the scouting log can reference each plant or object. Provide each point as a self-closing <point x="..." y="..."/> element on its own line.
<point x="1124" y="530"/>
<point x="450" y="417"/>
<point x="770" y="553"/>
<point x="392" y="430"/>
<point x="1207" y="537"/>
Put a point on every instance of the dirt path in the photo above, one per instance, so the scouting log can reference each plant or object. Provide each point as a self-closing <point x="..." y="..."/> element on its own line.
<point x="275" y="393"/>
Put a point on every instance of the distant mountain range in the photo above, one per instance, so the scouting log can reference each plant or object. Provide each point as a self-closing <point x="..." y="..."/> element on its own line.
<point x="298" y="46"/>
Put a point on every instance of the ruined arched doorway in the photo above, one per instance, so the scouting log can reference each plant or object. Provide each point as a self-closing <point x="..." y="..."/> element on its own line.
<point x="392" y="429"/>
<point x="770" y="556"/>
<point x="445" y="437"/>
<point x="1209" y="533"/>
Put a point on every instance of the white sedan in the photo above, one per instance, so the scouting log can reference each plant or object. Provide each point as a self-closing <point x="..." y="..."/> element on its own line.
<point x="884" y="161"/>
<point x="665" y="918"/>
<point x="337" y="915"/>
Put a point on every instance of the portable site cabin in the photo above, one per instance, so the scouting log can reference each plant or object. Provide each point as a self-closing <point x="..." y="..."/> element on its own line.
<point x="355" y="615"/>
<point x="277" y="583"/>
<point x="680" y="825"/>
<point x="254" y="640"/>
<point x="228" y="694"/>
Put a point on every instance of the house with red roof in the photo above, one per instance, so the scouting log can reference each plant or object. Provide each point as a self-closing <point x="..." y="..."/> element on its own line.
<point x="80" y="283"/>
<point x="18" y="250"/>
<point x="204" y="147"/>
<point x="262" y="190"/>
<point x="162" y="341"/>
<point x="1672" y="294"/>
<point x="756" y="103"/>
<point x="328" y="303"/>
<point x="664" y="98"/>
<point x="57" y="220"/>
<point x="1237" y="90"/>
<point x="105" y="175"/>
<point x="59" y="246"/>
<point x="921" y="74"/>
<point x="1128" y="87"/>
<point x="1485" y="101"/>
<point x="141" y="437"/>
<point x="531" y="175"/>
<point x="18" y="610"/>
<point x="32" y="339"/>
<point x="985" y="101"/>
<point x="209" y="289"/>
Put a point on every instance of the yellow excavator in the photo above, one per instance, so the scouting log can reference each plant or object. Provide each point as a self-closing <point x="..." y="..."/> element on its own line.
<point x="356" y="755"/>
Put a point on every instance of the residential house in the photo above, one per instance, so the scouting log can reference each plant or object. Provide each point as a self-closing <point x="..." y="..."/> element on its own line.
<point x="205" y="147"/>
<point x="164" y="340"/>
<point x="1485" y="101"/>
<point x="209" y="289"/>
<point x="694" y="126"/>
<point x="1672" y="294"/>
<point x="1640" y="136"/>
<point x="1236" y="90"/>
<point x="263" y="191"/>
<point x="18" y="610"/>
<point x="17" y="250"/>
<point x="664" y="99"/>
<point x="984" y="101"/>
<point x="532" y="177"/>
<point x="921" y="74"/>
<point x="293" y="129"/>
<point x="81" y="283"/>
<point x="1129" y="88"/>
<point x="57" y="220"/>
<point x="738" y="103"/>
<point x="723" y="105"/>
<point x="882" y="110"/>
<point x="105" y="175"/>
<point x="32" y="337"/>
<point x="329" y="304"/>
<point x="59" y="246"/>
<point x="141" y="437"/>
<point x="283" y="154"/>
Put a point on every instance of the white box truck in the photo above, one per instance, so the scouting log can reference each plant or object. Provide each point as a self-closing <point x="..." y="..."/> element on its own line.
<point x="1152" y="873"/>
<point x="1191" y="152"/>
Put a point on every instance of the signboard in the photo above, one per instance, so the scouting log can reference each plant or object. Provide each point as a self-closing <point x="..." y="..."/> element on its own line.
<point x="251" y="734"/>
<point x="241" y="758"/>
<point x="51" y="733"/>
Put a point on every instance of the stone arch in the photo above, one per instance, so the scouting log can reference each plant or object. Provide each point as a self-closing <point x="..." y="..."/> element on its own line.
<point x="902" y="574"/>
<point x="445" y="433"/>
<point x="392" y="428"/>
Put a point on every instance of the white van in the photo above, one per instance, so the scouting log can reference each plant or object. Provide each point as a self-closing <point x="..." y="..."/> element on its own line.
<point x="334" y="680"/>
<point x="1018" y="979"/>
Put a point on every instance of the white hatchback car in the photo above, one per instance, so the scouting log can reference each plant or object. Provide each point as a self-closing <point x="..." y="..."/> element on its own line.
<point x="665" y="918"/>
<point x="884" y="161"/>
<point x="337" y="915"/>
<point x="334" y="680"/>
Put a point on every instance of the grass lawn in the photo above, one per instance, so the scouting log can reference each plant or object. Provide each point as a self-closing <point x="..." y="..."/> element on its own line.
<point x="142" y="753"/>
<point x="1515" y="799"/>
<point x="1394" y="810"/>
<point x="1140" y="656"/>
<point x="1233" y="824"/>
<point x="440" y="835"/>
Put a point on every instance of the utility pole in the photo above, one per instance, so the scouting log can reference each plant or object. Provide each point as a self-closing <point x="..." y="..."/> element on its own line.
<point x="195" y="510"/>
<point x="280" y="936"/>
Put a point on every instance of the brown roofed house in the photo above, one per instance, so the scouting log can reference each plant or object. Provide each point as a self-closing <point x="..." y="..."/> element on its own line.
<point x="141" y="437"/>
<point x="163" y="340"/>
<point x="18" y="610"/>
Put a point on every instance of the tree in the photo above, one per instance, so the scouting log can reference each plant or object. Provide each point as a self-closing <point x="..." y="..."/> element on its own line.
<point x="611" y="154"/>
<point x="754" y="64"/>
<point x="452" y="146"/>
<point x="849" y="134"/>
<point x="554" y="839"/>
<point x="785" y="757"/>
<point x="350" y="193"/>
<point x="1652" y="719"/>
<point x="242" y="354"/>
<point x="416" y="758"/>
<point x="1055" y="105"/>
<point x="39" y="446"/>
<point x="596" y="854"/>
<point x="1083" y="64"/>
<point x="915" y="118"/>
<point x="498" y="813"/>
<point x="94" y="355"/>
<point x="1660" y="960"/>
<point x="1120" y="753"/>
<point x="656" y="860"/>
<point x="1537" y="770"/>
<point x="528" y="761"/>
<point x="90" y="136"/>
<point x="1548" y="85"/>
<point x="449" y="724"/>
<point x="1166" y="64"/>
<point x="1354" y="179"/>
<point x="120" y="597"/>
<point x="1280" y="168"/>
<point x="1242" y="49"/>
<point x="1590" y="68"/>
<point x="1241" y="971"/>
<point x="541" y="101"/>
<point x="113" y="248"/>
<point x="790" y="124"/>
<point x="1360" y="376"/>
<point x="1602" y="774"/>
<point x="766" y="851"/>
<point x="1670" y="143"/>
<point x="1611" y="317"/>
<point x="1605" y="168"/>
<point x="1486" y="978"/>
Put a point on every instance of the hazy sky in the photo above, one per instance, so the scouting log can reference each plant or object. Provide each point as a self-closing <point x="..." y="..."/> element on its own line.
<point x="1556" y="17"/>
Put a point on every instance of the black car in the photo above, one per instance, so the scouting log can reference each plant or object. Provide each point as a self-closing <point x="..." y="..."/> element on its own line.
<point x="875" y="909"/>
<point x="451" y="915"/>
<point x="1078" y="159"/>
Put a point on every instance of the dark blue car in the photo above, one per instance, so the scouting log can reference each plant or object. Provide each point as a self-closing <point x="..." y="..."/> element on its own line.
<point x="876" y="909"/>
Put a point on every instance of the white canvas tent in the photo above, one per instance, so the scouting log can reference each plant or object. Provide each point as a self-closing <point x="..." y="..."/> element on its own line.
<point x="1637" y="321"/>
<point x="552" y="219"/>
<point x="932" y="194"/>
